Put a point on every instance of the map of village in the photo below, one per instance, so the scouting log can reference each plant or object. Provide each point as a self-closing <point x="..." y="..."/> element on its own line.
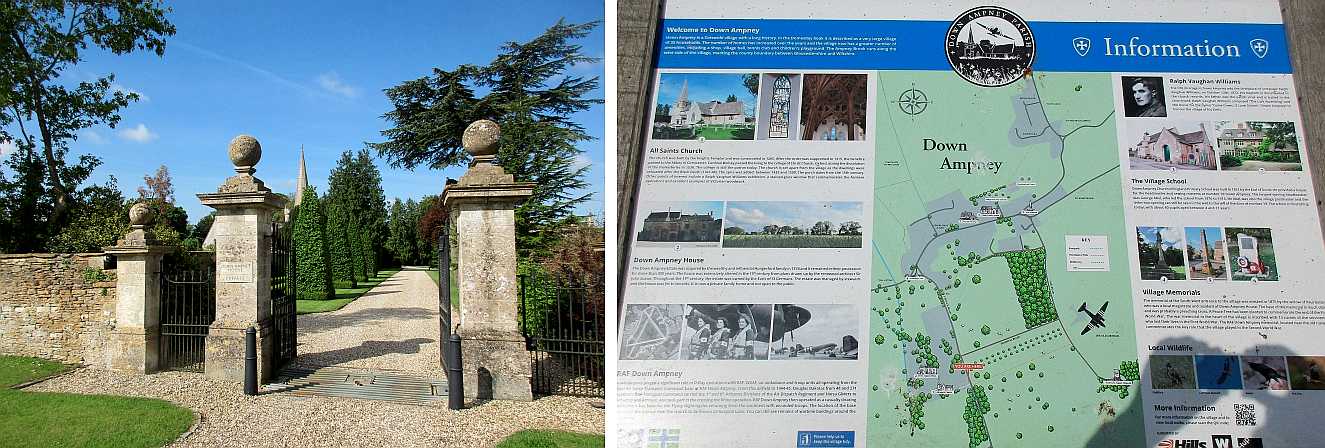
<point x="977" y="321"/>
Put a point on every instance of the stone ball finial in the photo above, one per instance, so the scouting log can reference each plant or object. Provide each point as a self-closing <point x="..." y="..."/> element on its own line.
<point x="141" y="215"/>
<point x="480" y="138"/>
<point x="245" y="150"/>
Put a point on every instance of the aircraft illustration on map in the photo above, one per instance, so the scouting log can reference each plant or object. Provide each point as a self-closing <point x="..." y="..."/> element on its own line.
<point x="1096" y="319"/>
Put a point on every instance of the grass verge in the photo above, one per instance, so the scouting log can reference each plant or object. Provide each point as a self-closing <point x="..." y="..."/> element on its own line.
<point x="59" y="419"/>
<point x="343" y="295"/>
<point x="455" y="287"/>
<point x="534" y="438"/>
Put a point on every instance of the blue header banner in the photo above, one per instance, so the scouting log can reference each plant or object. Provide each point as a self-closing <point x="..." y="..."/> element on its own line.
<point x="795" y="44"/>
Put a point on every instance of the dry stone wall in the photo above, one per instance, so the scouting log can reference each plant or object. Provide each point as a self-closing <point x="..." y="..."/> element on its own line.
<point x="56" y="306"/>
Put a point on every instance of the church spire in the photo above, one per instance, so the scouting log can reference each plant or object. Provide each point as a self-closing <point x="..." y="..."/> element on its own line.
<point x="685" y="87"/>
<point x="302" y="182"/>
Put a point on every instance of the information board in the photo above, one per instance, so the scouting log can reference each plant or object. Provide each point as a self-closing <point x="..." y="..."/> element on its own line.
<point x="1059" y="224"/>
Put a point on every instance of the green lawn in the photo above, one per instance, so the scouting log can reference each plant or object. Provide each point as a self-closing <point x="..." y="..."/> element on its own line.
<point x="726" y="133"/>
<point x="792" y="241"/>
<point x="343" y="295"/>
<point x="532" y="438"/>
<point x="455" y="287"/>
<point x="59" y="419"/>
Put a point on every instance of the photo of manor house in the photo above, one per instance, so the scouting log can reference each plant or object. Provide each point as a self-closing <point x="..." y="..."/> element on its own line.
<point x="713" y="106"/>
<point x="681" y="222"/>
<point x="1183" y="147"/>
<point x="1258" y="145"/>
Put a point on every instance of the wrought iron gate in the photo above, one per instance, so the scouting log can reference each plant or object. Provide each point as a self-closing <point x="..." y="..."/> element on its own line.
<point x="284" y="333"/>
<point x="563" y="327"/>
<point x="188" y="307"/>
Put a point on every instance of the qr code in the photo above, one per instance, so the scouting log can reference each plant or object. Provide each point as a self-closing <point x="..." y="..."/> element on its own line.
<point x="1244" y="414"/>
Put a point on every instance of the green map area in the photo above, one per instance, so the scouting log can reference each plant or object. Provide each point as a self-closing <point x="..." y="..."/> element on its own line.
<point x="980" y="334"/>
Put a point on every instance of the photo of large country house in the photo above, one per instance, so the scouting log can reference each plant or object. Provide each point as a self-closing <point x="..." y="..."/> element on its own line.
<point x="680" y="222"/>
<point x="1258" y="145"/>
<point x="1178" y="146"/>
<point x="711" y="106"/>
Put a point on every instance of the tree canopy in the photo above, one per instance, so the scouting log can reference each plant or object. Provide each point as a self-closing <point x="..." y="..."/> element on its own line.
<point x="531" y="95"/>
<point x="41" y="113"/>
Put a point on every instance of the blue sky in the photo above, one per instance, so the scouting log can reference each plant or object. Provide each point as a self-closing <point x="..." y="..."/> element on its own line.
<point x="754" y="215"/>
<point x="703" y="87"/>
<point x="304" y="73"/>
<point x="1172" y="236"/>
<point x="1213" y="235"/>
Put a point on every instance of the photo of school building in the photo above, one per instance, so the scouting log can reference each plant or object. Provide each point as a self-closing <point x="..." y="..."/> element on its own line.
<point x="1172" y="148"/>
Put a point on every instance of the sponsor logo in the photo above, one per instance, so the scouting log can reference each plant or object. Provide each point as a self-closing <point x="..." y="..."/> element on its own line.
<point x="1183" y="443"/>
<point x="1221" y="441"/>
<point x="1081" y="45"/>
<point x="990" y="46"/>
<point x="1250" y="442"/>
<point x="1260" y="47"/>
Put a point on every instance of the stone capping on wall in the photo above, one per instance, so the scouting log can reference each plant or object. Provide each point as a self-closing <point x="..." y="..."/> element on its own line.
<point x="57" y="306"/>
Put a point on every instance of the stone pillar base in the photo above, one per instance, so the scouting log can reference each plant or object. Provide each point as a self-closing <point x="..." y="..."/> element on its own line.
<point x="134" y="350"/>
<point x="497" y="369"/>
<point x="225" y="354"/>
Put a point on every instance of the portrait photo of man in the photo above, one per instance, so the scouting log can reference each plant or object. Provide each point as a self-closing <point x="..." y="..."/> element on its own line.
<point x="1143" y="96"/>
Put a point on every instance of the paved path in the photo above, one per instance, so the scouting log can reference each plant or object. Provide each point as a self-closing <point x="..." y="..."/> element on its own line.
<point x="391" y="327"/>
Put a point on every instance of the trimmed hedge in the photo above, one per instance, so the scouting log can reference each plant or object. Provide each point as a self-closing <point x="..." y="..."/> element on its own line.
<point x="312" y="259"/>
<point x="338" y="245"/>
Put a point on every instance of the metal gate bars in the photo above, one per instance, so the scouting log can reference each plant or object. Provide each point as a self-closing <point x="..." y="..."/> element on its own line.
<point x="283" y="293"/>
<point x="564" y="329"/>
<point x="188" y="306"/>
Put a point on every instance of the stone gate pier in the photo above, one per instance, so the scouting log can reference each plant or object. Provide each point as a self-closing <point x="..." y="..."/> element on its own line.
<point x="244" y="210"/>
<point x="137" y="334"/>
<point x="482" y="212"/>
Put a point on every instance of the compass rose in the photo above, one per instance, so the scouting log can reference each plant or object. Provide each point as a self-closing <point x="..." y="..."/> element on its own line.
<point x="912" y="102"/>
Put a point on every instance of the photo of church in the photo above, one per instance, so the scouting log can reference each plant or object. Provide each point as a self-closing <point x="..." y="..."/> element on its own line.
<point x="833" y="107"/>
<point x="1173" y="146"/>
<point x="710" y="106"/>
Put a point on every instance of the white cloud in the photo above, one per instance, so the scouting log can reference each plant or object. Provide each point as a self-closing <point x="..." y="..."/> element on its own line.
<point x="331" y="82"/>
<point x="581" y="161"/>
<point x="93" y="137"/>
<point x="125" y="90"/>
<point x="7" y="147"/>
<point x="138" y="134"/>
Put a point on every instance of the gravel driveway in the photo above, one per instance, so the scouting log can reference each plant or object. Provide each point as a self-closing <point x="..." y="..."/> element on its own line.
<point x="391" y="327"/>
<point x="231" y="419"/>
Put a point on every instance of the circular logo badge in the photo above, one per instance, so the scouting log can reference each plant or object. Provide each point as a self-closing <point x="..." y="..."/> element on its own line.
<point x="990" y="46"/>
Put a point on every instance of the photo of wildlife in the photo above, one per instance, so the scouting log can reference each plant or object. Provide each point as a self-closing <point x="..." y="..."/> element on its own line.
<point x="1172" y="372"/>
<point x="709" y="106"/>
<point x="801" y="225"/>
<point x="1306" y="372"/>
<point x="1252" y="253"/>
<point x="1258" y="146"/>
<point x="1160" y="253"/>
<point x="1264" y="373"/>
<point x="815" y="332"/>
<point x="833" y="107"/>
<point x="652" y="331"/>
<point x="1218" y="372"/>
<point x="1206" y="257"/>
<point x="679" y="222"/>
